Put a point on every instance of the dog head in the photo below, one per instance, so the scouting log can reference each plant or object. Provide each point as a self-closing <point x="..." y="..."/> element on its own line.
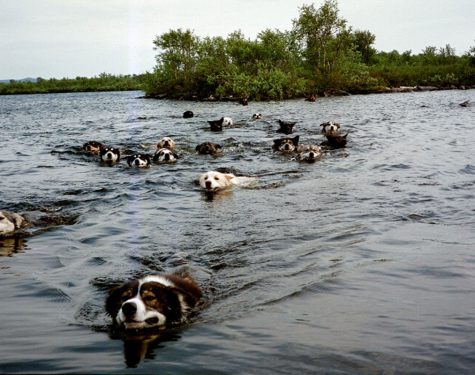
<point x="138" y="160"/>
<point x="10" y="222"/>
<point x="335" y="141"/>
<point x="208" y="148"/>
<point x="330" y="128"/>
<point x="92" y="147"/>
<point x="256" y="116"/>
<point x="153" y="301"/>
<point x="216" y="125"/>
<point x="213" y="181"/>
<point x="110" y="154"/>
<point x="308" y="153"/>
<point x="164" y="155"/>
<point x="166" y="142"/>
<point x="286" y="127"/>
<point x="286" y="145"/>
<point x="188" y="114"/>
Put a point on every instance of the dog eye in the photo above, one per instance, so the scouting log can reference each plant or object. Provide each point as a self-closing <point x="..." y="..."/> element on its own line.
<point x="149" y="298"/>
<point x="216" y="178"/>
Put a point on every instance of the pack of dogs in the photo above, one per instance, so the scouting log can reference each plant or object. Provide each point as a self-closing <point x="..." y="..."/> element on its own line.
<point x="164" y="300"/>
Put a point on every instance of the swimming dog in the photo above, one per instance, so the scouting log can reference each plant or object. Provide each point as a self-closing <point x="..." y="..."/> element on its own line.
<point x="217" y="125"/>
<point x="92" y="147"/>
<point x="286" y="127"/>
<point x="334" y="141"/>
<point x="166" y="142"/>
<point x="256" y="116"/>
<point x="153" y="301"/>
<point x="308" y="153"/>
<point x="330" y="128"/>
<point x="214" y="181"/>
<point x="188" y="114"/>
<point x="138" y="160"/>
<point x="208" y="148"/>
<point x="164" y="155"/>
<point x="110" y="154"/>
<point x="286" y="145"/>
<point x="11" y="222"/>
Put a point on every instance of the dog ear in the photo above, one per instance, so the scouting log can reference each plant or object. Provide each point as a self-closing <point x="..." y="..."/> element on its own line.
<point x="175" y="155"/>
<point x="229" y="176"/>
<point x="19" y="221"/>
<point x="218" y="146"/>
<point x="295" y="140"/>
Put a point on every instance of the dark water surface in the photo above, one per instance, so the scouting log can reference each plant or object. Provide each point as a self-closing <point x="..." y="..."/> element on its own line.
<point x="361" y="263"/>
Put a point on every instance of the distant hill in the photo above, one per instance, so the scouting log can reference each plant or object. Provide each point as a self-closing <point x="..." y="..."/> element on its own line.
<point x="28" y="79"/>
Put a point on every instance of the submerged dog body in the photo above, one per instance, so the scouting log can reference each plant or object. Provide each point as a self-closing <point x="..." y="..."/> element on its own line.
<point x="11" y="222"/>
<point x="110" y="154"/>
<point x="153" y="301"/>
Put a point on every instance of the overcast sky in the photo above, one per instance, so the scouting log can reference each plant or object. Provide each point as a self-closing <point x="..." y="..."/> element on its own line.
<point x="69" y="38"/>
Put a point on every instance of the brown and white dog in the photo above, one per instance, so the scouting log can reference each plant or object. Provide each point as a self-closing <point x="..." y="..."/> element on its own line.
<point x="208" y="148"/>
<point x="308" y="153"/>
<point x="11" y="222"/>
<point x="92" y="147"/>
<point x="286" y="145"/>
<point x="166" y="142"/>
<point x="153" y="301"/>
<point x="214" y="181"/>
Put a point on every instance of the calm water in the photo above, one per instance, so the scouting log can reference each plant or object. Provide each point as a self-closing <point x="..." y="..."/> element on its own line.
<point x="362" y="263"/>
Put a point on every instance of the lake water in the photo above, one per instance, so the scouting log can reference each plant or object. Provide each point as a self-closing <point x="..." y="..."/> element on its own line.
<point x="360" y="263"/>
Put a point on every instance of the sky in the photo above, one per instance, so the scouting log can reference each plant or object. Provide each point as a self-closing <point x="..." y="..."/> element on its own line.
<point x="70" y="38"/>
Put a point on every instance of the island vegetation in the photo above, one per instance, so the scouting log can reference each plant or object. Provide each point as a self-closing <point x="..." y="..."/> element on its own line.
<point x="320" y="55"/>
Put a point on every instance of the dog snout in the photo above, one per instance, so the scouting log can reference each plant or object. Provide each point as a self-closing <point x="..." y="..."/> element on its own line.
<point x="137" y="162"/>
<point x="208" y="184"/>
<point x="109" y="155"/>
<point x="129" y="309"/>
<point x="166" y="157"/>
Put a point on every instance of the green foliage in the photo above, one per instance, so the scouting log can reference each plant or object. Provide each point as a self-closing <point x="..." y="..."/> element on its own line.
<point x="103" y="82"/>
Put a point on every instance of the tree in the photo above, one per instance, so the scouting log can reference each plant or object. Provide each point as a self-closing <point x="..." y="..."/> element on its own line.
<point x="363" y="40"/>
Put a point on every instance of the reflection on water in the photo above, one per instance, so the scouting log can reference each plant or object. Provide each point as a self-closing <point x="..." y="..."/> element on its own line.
<point x="361" y="262"/>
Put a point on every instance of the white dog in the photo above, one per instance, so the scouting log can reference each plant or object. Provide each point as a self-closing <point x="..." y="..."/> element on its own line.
<point x="213" y="181"/>
<point x="10" y="222"/>
<point x="166" y="142"/>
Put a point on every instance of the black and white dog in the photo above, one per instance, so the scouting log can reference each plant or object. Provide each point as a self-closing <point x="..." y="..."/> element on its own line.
<point x="286" y="127"/>
<point x="92" y="147"/>
<point x="138" y="160"/>
<point x="164" y="155"/>
<point x="11" y="222"/>
<point x="110" y="154"/>
<point x="334" y="139"/>
<point x="153" y="301"/>
<point x="217" y="125"/>
<point x="286" y="145"/>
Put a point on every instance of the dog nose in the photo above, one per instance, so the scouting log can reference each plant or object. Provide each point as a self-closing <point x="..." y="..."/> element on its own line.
<point x="208" y="184"/>
<point x="137" y="162"/>
<point x="109" y="155"/>
<point x="311" y="155"/>
<point x="167" y="157"/>
<point x="129" y="309"/>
